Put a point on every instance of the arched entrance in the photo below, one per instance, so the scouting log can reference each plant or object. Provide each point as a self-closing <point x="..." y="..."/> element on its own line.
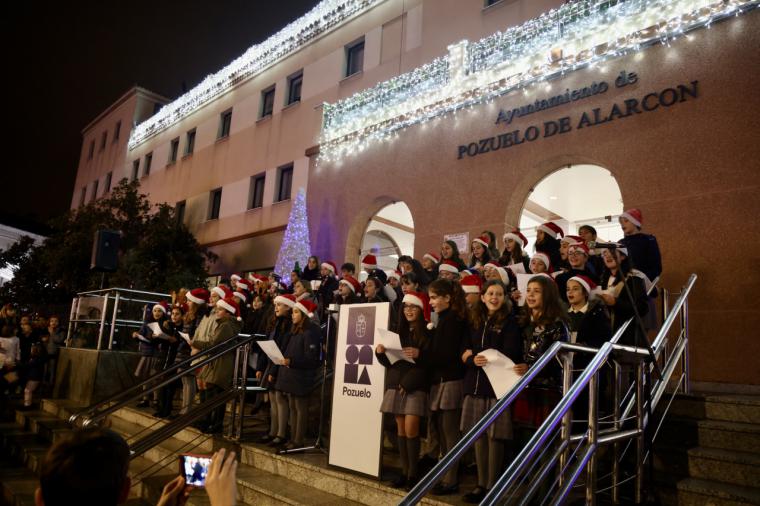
<point x="389" y="234"/>
<point x="575" y="195"/>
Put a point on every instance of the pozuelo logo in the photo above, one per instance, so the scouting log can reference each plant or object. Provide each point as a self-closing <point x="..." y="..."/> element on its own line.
<point x="359" y="341"/>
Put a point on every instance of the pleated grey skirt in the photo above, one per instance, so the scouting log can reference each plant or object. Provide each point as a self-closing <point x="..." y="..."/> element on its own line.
<point x="397" y="403"/>
<point x="475" y="408"/>
<point x="447" y="395"/>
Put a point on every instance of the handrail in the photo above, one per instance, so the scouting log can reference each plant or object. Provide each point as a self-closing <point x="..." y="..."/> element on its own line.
<point x="617" y="336"/>
<point x="91" y="414"/>
<point x="128" y="290"/>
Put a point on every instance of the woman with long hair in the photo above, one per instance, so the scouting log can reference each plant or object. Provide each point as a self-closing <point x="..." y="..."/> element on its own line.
<point x="450" y="251"/>
<point x="481" y="254"/>
<point x="548" y="243"/>
<point x="514" y="250"/>
<point x="619" y="274"/>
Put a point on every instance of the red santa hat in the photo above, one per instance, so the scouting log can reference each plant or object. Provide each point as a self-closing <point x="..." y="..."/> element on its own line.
<point x="288" y="299"/>
<point x="419" y="299"/>
<point x="448" y="266"/>
<point x="586" y="282"/>
<point x="543" y="257"/>
<point x="235" y="277"/>
<point x="240" y="295"/>
<point x="163" y="306"/>
<point x="432" y="256"/>
<point x="472" y="284"/>
<point x="572" y="239"/>
<point x="230" y="305"/>
<point x="330" y="266"/>
<point x="244" y="284"/>
<point x="395" y="274"/>
<point x="222" y="291"/>
<point x="634" y="216"/>
<point x="581" y="246"/>
<point x="307" y="307"/>
<point x="198" y="295"/>
<point x="552" y="229"/>
<point x="516" y="236"/>
<point x="352" y="283"/>
<point x="483" y="239"/>
<point x="369" y="262"/>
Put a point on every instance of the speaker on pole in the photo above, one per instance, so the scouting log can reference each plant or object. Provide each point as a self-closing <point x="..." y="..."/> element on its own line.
<point x="105" y="251"/>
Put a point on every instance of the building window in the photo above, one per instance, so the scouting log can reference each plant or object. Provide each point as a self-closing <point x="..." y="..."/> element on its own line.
<point x="214" y="204"/>
<point x="294" y="87"/>
<point x="135" y="169"/>
<point x="173" y="150"/>
<point x="94" y="190"/>
<point x="147" y="164"/>
<point x="103" y="140"/>
<point x="491" y="2"/>
<point x="91" y="151"/>
<point x="179" y="209"/>
<point x="267" y="102"/>
<point x="256" y="198"/>
<point x="156" y="107"/>
<point x="355" y="57"/>
<point x="116" y="131"/>
<point x="284" y="182"/>
<point x="82" y="195"/>
<point x="225" y="121"/>
<point x="107" y="183"/>
<point x="190" y="142"/>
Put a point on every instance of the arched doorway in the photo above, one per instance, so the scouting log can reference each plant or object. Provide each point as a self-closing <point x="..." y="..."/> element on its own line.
<point x="389" y="234"/>
<point x="573" y="196"/>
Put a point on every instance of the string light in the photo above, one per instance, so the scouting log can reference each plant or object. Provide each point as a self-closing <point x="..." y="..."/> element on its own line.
<point x="295" y="245"/>
<point x="576" y="35"/>
<point x="325" y="16"/>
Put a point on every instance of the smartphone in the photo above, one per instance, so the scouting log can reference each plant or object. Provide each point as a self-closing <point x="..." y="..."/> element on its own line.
<point x="194" y="468"/>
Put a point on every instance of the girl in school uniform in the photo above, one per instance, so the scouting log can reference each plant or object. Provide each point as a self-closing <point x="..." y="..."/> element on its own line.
<point x="148" y="346"/>
<point x="543" y="322"/>
<point x="407" y="384"/>
<point x="298" y="371"/>
<point x="481" y="255"/>
<point x="450" y="251"/>
<point x="443" y="357"/>
<point x="514" y="250"/>
<point x="266" y="371"/>
<point x="617" y="274"/>
<point x="548" y="243"/>
<point x="493" y="326"/>
<point x="349" y="291"/>
<point x="172" y="328"/>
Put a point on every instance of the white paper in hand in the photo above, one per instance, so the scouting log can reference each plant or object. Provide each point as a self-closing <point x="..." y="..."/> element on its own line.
<point x="270" y="348"/>
<point x="157" y="332"/>
<point x="142" y="338"/>
<point x="500" y="371"/>
<point x="186" y="337"/>
<point x="522" y="285"/>
<point x="518" y="268"/>
<point x="392" y="343"/>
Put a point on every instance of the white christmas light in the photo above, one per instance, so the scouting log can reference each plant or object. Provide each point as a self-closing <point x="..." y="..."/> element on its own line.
<point x="295" y="247"/>
<point x="325" y="16"/>
<point x="576" y="35"/>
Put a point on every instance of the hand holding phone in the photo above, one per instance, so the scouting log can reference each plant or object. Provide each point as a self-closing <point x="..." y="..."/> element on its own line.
<point x="194" y="468"/>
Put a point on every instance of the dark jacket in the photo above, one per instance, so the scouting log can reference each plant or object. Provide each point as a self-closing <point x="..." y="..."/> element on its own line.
<point x="592" y="329"/>
<point x="326" y="291"/>
<point x="644" y="253"/>
<point x="149" y="349"/>
<point x="280" y="333"/>
<point x="443" y="354"/>
<point x="504" y="337"/>
<point x="169" y="350"/>
<point x="303" y="350"/>
<point x="623" y="309"/>
<point x="411" y="377"/>
<point x="536" y="343"/>
<point x="310" y="274"/>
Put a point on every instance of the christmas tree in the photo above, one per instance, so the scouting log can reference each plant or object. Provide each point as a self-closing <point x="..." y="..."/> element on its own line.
<point x="295" y="248"/>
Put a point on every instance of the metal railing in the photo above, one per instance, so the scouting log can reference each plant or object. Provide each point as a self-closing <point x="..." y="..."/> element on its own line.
<point x="542" y="458"/>
<point x="240" y="345"/>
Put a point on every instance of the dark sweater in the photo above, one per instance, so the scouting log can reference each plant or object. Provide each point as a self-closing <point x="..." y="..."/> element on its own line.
<point x="443" y="354"/>
<point x="504" y="337"/>
<point x="411" y="377"/>
<point x="593" y="329"/>
<point x="303" y="350"/>
<point x="644" y="254"/>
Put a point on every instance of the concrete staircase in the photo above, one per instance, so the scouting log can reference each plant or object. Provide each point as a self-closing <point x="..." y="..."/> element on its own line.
<point x="708" y="451"/>
<point x="264" y="477"/>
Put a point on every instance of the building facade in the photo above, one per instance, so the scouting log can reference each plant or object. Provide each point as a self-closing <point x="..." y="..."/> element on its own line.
<point x="459" y="109"/>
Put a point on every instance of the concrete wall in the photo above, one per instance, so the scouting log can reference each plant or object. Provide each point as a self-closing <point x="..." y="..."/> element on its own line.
<point x="691" y="167"/>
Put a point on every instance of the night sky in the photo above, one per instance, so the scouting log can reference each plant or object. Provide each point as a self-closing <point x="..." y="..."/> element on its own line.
<point x="68" y="61"/>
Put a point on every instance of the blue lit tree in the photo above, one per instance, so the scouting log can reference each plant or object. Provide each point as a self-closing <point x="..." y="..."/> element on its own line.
<point x="295" y="245"/>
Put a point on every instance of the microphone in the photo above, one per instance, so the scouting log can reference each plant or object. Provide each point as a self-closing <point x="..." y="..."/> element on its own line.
<point x="603" y="245"/>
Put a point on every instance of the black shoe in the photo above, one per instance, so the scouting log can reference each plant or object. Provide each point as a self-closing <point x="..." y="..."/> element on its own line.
<point x="444" y="489"/>
<point x="399" y="481"/>
<point x="475" y="496"/>
<point x="278" y="441"/>
<point x="143" y="404"/>
<point x="266" y="438"/>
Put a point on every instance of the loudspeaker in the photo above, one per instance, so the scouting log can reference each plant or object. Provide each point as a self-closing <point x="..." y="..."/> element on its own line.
<point x="105" y="251"/>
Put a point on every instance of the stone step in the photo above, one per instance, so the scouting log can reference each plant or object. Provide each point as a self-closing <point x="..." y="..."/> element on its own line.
<point x="724" y="407"/>
<point x="145" y="419"/>
<point x="24" y="448"/>
<point x="690" y="432"/>
<point x="17" y="485"/>
<point x="699" y="492"/>
<point x="312" y="470"/>
<point x="725" y="466"/>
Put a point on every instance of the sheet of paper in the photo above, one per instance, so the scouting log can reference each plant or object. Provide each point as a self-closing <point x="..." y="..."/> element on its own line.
<point x="157" y="332"/>
<point x="143" y="339"/>
<point x="270" y="348"/>
<point x="522" y="285"/>
<point x="186" y="337"/>
<point x="517" y="268"/>
<point x="500" y="371"/>
<point x="392" y="343"/>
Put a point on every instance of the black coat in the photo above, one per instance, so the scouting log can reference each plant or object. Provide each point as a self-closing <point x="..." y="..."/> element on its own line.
<point x="504" y="337"/>
<point x="303" y="350"/>
<point x="593" y="329"/>
<point x="623" y="309"/>
<point x="644" y="253"/>
<point x="310" y="274"/>
<point x="411" y="377"/>
<point x="443" y="353"/>
<point x="281" y="336"/>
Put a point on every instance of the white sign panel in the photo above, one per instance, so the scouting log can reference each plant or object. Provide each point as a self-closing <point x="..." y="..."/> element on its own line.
<point x="357" y="425"/>
<point x="462" y="241"/>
